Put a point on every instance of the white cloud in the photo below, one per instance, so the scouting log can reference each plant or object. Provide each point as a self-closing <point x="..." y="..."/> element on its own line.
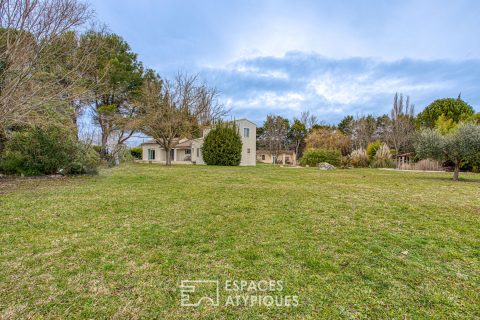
<point x="243" y="69"/>
<point x="344" y="89"/>
<point x="333" y="88"/>
<point x="269" y="100"/>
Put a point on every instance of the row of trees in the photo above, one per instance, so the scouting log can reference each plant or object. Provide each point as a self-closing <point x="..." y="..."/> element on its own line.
<point x="51" y="73"/>
<point x="350" y="134"/>
<point x="358" y="139"/>
<point x="277" y="134"/>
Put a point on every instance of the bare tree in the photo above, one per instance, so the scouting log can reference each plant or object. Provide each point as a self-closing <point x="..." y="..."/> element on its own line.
<point x="362" y="131"/>
<point x="275" y="134"/>
<point x="175" y="109"/>
<point x="309" y="120"/>
<point x="401" y="128"/>
<point x="209" y="104"/>
<point x="28" y="29"/>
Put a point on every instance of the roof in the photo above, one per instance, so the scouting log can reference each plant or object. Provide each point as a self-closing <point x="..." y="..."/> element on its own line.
<point x="263" y="151"/>
<point x="244" y="119"/>
<point x="408" y="154"/>
<point x="184" y="144"/>
<point x="178" y="141"/>
<point x="151" y="141"/>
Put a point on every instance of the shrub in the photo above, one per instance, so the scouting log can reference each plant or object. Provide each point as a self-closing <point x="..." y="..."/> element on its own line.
<point x="328" y="138"/>
<point x="223" y="146"/>
<point x="427" y="165"/>
<point x="136" y="153"/>
<point x="359" y="158"/>
<point x="49" y="150"/>
<point x="383" y="157"/>
<point x="312" y="157"/>
<point x="372" y="149"/>
<point x="460" y="146"/>
<point x="345" y="162"/>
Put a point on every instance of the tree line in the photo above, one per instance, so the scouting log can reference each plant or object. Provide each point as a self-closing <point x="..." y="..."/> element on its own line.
<point x="359" y="139"/>
<point x="53" y="69"/>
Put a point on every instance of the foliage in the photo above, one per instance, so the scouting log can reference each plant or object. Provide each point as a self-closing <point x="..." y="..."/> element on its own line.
<point x="136" y="153"/>
<point x="172" y="110"/>
<point x="455" y="109"/>
<point x="31" y="89"/>
<point x="359" y="158"/>
<point x="275" y="134"/>
<point x="49" y="150"/>
<point x="312" y="157"/>
<point x="458" y="146"/>
<point x="445" y="125"/>
<point x="372" y="149"/>
<point x="223" y="146"/>
<point x="430" y="144"/>
<point x="115" y="83"/>
<point x="297" y="134"/>
<point x="345" y="162"/>
<point x="475" y="118"/>
<point x="398" y="130"/>
<point x="328" y="138"/>
<point x="383" y="157"/>
<point x="345" y="125"/>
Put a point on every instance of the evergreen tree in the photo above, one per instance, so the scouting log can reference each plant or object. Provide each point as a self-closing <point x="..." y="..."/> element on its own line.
<point x="223" y="146"/>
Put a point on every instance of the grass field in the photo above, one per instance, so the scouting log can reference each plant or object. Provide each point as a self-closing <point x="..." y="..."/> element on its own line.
<point x="350" y="244"/>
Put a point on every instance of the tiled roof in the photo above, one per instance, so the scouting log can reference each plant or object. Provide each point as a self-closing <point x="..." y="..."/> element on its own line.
<point x="182" y="144"/>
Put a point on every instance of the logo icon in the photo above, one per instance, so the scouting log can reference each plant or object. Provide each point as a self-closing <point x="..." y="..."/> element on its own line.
<point x="195" y="292"/>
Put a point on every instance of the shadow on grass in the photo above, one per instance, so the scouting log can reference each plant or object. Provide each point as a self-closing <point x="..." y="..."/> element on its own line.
<point x="461" y="179"/>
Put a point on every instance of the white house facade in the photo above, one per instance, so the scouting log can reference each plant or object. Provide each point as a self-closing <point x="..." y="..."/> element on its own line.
<point x="189" y="151"/>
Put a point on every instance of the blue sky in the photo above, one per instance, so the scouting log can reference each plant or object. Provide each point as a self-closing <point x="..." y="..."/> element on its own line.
<point x="330" y="57"/>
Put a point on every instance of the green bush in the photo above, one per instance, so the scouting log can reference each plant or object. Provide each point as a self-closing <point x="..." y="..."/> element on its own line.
<point x="50" y="150"/>
<point x="312" y="157"/>
<point x="372" y="149"/>
<point x="223" y="146"/>
<point x="136" y="153"/>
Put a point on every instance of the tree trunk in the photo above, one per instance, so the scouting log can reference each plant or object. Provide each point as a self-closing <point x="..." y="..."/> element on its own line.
<point x="168" y="161"/>
<point x="3" y="139"/>
<point x="75" y="125"/>
<point x="456" y="173"/>
<point x="104" y="145"/>
<point x="297" y="152"/>
<point x="75" y="116"/>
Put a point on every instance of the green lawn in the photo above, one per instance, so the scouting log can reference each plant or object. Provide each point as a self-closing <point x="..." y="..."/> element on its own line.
<point x="350" y="244"/>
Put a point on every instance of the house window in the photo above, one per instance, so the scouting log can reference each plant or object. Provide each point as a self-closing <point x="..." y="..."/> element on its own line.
<point x="246" y="132"/>
<point x="151" y="154"/>
<point x="198" y="152"/>
<point x="263" y="157"/>
<point x="188" y="151"/>
<point x="248" y="150"/>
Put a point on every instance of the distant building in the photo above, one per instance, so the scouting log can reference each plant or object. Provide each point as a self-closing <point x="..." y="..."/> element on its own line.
<point x="283" y="157"/>
<point x="189" y="151"/>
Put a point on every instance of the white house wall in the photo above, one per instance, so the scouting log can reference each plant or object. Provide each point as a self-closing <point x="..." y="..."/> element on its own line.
<point x="197" y="145"/>
<point x="249" y="144"/>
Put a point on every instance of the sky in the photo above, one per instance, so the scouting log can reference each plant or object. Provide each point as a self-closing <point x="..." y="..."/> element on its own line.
<point x="332" y="58"/>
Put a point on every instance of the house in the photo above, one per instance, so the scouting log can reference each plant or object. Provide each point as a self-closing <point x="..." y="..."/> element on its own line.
<point x="189" y="151"/>
<point x="283" y="157"/>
